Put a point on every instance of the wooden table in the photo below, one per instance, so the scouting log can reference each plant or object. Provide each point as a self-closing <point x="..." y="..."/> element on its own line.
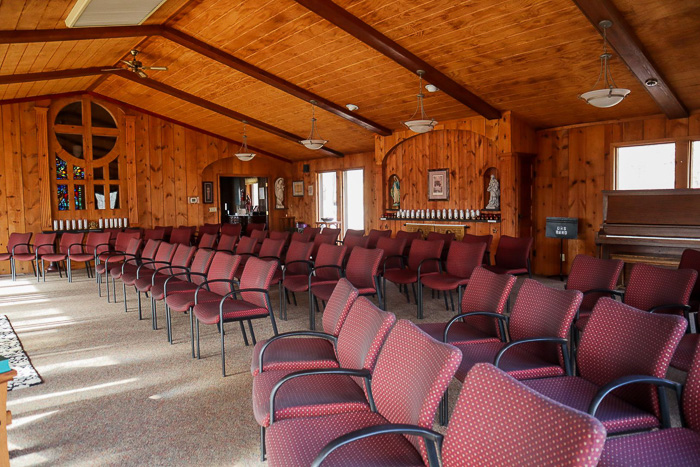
<point x="5" y="417"/>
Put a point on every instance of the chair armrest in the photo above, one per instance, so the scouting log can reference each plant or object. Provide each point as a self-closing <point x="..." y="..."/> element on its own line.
<point x="403" y="265"/>
<point x="189" y="275"/>
<point x="153" y="279"/>
<point x="619" y="293"/>
<point x="502" y="319"/>
<point x="38" y="247"/>
<point x="660" y="383"/>
<point x="275" y="258"/>
<point x="326" y="266"/>
<point x="82" y="247"/>
<point x="558" y="340"/>
<point x="246" y="254"/>
<point x="672" y="306"/>
<point x="365" y="374"/>
<point x="134" y="258"/>
<point x="102" y="244"/>
<point x="320" y="335"/>
<point x="206" y="283"/>
<point x="149" y="261"/>
<point x="28" y="245"/>
<point x="439" y="261"/>
<point x="309" y="264"/>
<point x="433" y="440"/>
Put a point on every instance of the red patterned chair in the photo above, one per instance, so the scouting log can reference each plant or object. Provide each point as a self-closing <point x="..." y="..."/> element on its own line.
<point x="284" y="236"/>
<point x="421" y="261"/>
<point x="333" y="233"/>
<point x="207" y="240"/>
<point x="252" y="227"/>
<point x="110" y="265"/>
<point x="672" y="446"/>
<point x="497" y="420"/>
<point x="318" y="241"/>
<point x="319" y="392"/>
<point x="352" y="242"/>
<point x="231" y="229"/>
<point x="213" y="304"/>
<point x="18" y="243"/>
<point x="44" y="244"/>
<point x="227" y="243"/>
<point x="362" y="271"/>
<point x="115" y="257"/>
<point x="486" y="239"/>
<point x="327" y="269"/>
<point x="159" y="233"/>
<point x="70" y="241"/>
<point x="95" y="244"/>
<point x="412" y="372"/>
<point x="211" y="229"/>
<point x="301" y="350"/>
<point x="113" y="234"/>
<point x="303" y="237"/>
<point x="130" y="265"/>
<point x="269" y="250"/>
<point x="446" y="237"/>
<point x="354" y="233"/>
<point x="409" y="237"/>
<point x="684" y="354"/>
<point x="297" y="263"/>
<point x="311" y="232"/>
<point x="259" y="235"/>
<point x="462" y="259"/>
<point x="147" y="268"/>
<point x="621" y="346"/>
<point x="220" y="270"/>
<point x="512" y="256"/>
<point x="158" y="272"/>
<point x="374" y="236"/>
<point x="183" y="235"/>
<point x="393" y="249"/>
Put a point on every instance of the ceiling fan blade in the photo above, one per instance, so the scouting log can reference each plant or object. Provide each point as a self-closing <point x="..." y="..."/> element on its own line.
<point x="156" y="68"/>
<point x="128" y="63"/>
<point x="112" y="69"/>
<point x="142" y="74"/>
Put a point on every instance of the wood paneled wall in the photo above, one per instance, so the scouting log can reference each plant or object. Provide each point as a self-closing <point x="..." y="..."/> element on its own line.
<point x="574" y="164"/>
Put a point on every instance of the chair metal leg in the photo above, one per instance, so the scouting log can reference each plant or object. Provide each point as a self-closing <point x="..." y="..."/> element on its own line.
<point x="196" y="326"/>
<point x="442" y="410"/>
<point x="312" y="312"/>
<point x="223" y="352"/>
<point x="262" y="444"/>
<point x="191" y="332"/>
<point x="447" y="306"/>
<point x="34" y="269"/>
<point x="279" y="285"/>
<point x="154" y="318"/>
<point x="452" y="302"/>
<point x="405" y="291"/>
<point x="43" y="270"/>
<point x="70" y="271"/>
<point x="245" y="335"/>
<point x="138" y="293"/>
<point x="114" y="289"/>
<point x="252" y="333"/>
<point x="99" y="283"/>
<point x="124" y="291"/>
<point x="12" y="269"/>
<point x="168" y="324"/>
<point x="294" y="296"/>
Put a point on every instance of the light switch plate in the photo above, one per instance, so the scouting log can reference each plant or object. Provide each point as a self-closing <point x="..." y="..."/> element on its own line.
<point x="194" y="199"/>
<point x="212" y="209"/>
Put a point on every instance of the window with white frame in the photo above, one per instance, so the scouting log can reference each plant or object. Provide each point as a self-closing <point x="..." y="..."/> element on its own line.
<point x="646" y="167"/>
<point x="695" y="164"/>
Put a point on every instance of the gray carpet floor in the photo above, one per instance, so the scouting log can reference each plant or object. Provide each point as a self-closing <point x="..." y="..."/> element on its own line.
<point x="117" y="393"/>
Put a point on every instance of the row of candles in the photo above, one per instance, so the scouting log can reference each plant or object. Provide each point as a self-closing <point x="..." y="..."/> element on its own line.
<point x="445" y="214"/>
<point x="81" y="224"/>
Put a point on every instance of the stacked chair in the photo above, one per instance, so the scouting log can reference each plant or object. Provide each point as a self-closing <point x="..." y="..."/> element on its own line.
<point x="127" y="245"/>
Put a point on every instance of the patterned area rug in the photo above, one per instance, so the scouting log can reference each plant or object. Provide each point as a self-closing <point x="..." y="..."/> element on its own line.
<point x="11" y="348"/>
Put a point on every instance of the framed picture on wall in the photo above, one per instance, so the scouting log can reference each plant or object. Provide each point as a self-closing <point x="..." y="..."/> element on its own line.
<point x="208" y="192"/>
<point x="298" y="188"/>
<point x="438" y="185"/>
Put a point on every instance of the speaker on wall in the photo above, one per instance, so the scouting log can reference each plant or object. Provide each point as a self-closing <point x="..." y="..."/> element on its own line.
<point x="306" y="168"/>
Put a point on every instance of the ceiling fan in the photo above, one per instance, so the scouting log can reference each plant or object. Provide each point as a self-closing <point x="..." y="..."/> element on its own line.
<point x="136" y="66"/>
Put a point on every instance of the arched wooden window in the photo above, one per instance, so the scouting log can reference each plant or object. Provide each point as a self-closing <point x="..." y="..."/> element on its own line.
<point x="87" y="162"/>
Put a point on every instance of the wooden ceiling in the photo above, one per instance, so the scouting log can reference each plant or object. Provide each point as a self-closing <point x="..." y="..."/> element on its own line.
<point x="530" y="57"/>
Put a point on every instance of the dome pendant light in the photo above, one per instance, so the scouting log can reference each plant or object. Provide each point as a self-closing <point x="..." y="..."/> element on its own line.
<point x="423" y="124"/>
<point x="609" y="95"/>
<point x="314" y="141"/>
<point x="243" y="153"/>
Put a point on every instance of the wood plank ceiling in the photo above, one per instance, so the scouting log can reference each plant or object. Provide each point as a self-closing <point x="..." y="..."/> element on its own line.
<point x="530" y="57"/>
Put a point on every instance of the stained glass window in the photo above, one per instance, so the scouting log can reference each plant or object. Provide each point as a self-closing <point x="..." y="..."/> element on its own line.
<point x="61" y="169"/>
<point x="63" y="202"/>
<point x="79" y="192"/>
<point x="78" y="173"/>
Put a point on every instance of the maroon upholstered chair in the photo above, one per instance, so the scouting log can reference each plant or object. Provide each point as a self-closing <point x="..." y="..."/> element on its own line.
<point x="155" y="234"/>
<point x="252" y="227"/>
<point x="115" y="255"/>
<point x="211" y="229"/>
<point x="374" y="236"/>
<point x="411" y="374"/>
<point x="301" y="350"/>
<point x="672" y="446"/>
<point x="207" y="240"/>
<point x="113" y="234"/>
<point x="112" y="265"/>
<point x="70" y="241"/>
<point x="95" y="244"/>
<point x="318" y="241"/>
<point x="269" y="250"/>
<point x="622" y="348"/>
<point x="227" y="243"/>
<point x="409" y="237"/>
<point x="218" y="279"/>
<point x="284" y="236"/>
<point x="297" y="263"/>
<point x="462" y="259"/>
<point x="690" y="259"/>
<point x="327" y="269"/>
<point x="334" y="233"/>
<point x="446" y="237"/>
<point x="487" y="239"/>
<point x="245" y="249"/>
<point x="130" y="265"/>
<point x="497" y="420"/>
<point x="354" y="233"/>
<point x="393" y="249"/>
<point x="259" y="236"/>
<point x="159" y="271"/>
<point x="512" y="256"/>
<point x="421" y="261"/>
<point x="183" y="235"/>
<point x="218" y="306"/>
<point x="362" y="271"/>
<point x="147" y="268"/>
<point x="304" y="237"/>
<point x="44" y="244"/>
<point x="311" y="232"/>
<point x="231" y="229"/>
<point x="352" y="242"/>
<point x="317" y="392"/>
<point x="18" y="243"/>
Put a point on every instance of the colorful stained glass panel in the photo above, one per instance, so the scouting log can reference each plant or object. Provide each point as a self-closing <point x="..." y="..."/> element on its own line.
<point x="78" y="173"/>
<point x="61" y="169"/>
<point x="79" y="193"/>
<point x="62" y="194"/>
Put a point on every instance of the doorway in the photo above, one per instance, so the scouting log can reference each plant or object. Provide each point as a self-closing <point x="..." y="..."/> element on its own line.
<point x="353" y="199"/>
<point x="243" y="200"/>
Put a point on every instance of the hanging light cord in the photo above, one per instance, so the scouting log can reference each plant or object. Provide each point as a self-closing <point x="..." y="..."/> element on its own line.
<point x="313" y="123"/>
<point x="420" y="96"/>
<point x="604" y="71"/>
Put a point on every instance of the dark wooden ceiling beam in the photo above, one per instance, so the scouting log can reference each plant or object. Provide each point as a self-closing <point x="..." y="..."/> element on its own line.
<point x="221" y="110"/>
<point x="622" y="38"/>
<point x="48" y="75"/>
<point x="76" y="34"/>
<point x="381" y="43"/>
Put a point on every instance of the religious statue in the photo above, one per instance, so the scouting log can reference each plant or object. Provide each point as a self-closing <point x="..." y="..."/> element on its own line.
<point x="494" y="195"/>
<point x="395" y="192"/>
<point x="279" y="193"/>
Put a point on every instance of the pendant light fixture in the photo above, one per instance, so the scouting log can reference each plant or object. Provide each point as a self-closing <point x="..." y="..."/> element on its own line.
<point x="609" y="95"/>
<point x="244" y="153"/>
<point x="314" y="141"/>
<point x="423" y="124"/>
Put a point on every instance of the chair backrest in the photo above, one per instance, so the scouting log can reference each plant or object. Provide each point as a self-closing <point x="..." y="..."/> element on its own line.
<point x="409" y="236"/>
<point x="691" y="394"/>
<point x="363" y="266"/>
<point x="258" y="234"/>
<point x="166" y="252"/>
<point x="650" y="286"/>
<point x="227" y="242"/>
<point x="212" y="229"/>
<point x="71" y="238"/>
<point x="446" y="237"/>
<point x="246" y="245"/>
<point x="124" y="239"/>
<point x="541" y="311"/>
<point x="463" y="258"/>
<point x="312" y="232"/>
<point x="231" y="229"/>
<point x="298" y="251"/>
<point x="620" y="340"/>
<point x="321" y="240"/>
<point x="513" y="252"/>
<point x="690" y="259"/>
<point x="251" y="227"/>
<point x="207" y="240"/>
<point x="338" y="306"/>
<point x="182" y="235"/>
<point x="391" y="247"/>
<point x="588" y="273"/>
<point x="49" y="241"/>
<point x="331" y="233"/>
<point x="424" y="249"/>
<point x="375" y="235"/>
<point x="301" y="236"/>
<point x="499" y="420"/>
<point x="200" y="264"/>
<point x="17" y="238"/>
<point x="133" y="247"/>
<point x="257" y="274"/>
<point x="154" y="234"/>
<point x="277" y="235"/>
<point x="182" y="257"/>
<point x="150" y="249"/>
<point x="97" y="238"/>
<point x="486" y="291"/>
<point x="329" y="255"/>
<point x="354" y="233"/>
<point x="223" y="266"/>
<point x="271" y="248"/>
<point x="412" y="373"/>
<point x="361" y="337"/>
<point x="114" y="235"/>
<point x="487" y="239"/>
<point x="353" y="241"/>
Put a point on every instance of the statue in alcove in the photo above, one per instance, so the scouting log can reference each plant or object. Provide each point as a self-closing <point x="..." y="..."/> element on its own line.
<point x="395" y="192"/>
<point x="494" y="191"/>
<point x="279" y="193"/>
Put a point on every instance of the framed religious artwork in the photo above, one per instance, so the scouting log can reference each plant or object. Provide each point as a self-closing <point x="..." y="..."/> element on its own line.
<point x="298" y="188"/>
<point x="208" y="192"/>
<point x="394" y="193"/>
<point x="439" y="185"/>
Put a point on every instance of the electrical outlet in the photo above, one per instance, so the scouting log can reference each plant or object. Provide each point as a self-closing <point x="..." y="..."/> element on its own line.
<point x="194" y="199"/>
<point x="563" y="258"/>
<point x="212" y="209"/>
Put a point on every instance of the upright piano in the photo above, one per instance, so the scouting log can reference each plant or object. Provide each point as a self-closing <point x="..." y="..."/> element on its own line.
<point x="651" y="226"/>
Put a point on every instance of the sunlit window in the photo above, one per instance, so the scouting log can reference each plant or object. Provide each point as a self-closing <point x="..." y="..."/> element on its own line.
<point x="646" y="167"/>
<point x="695" y="165"/>
<point x="328" y="195"/>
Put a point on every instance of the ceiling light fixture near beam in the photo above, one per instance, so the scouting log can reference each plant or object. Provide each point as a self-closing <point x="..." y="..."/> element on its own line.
<point x="314" y="141"/>
<point x="609" y="95"/>
<point x="88" y="13"/>
<point x="422" y="124"/>
<point x="243" y="153"/>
